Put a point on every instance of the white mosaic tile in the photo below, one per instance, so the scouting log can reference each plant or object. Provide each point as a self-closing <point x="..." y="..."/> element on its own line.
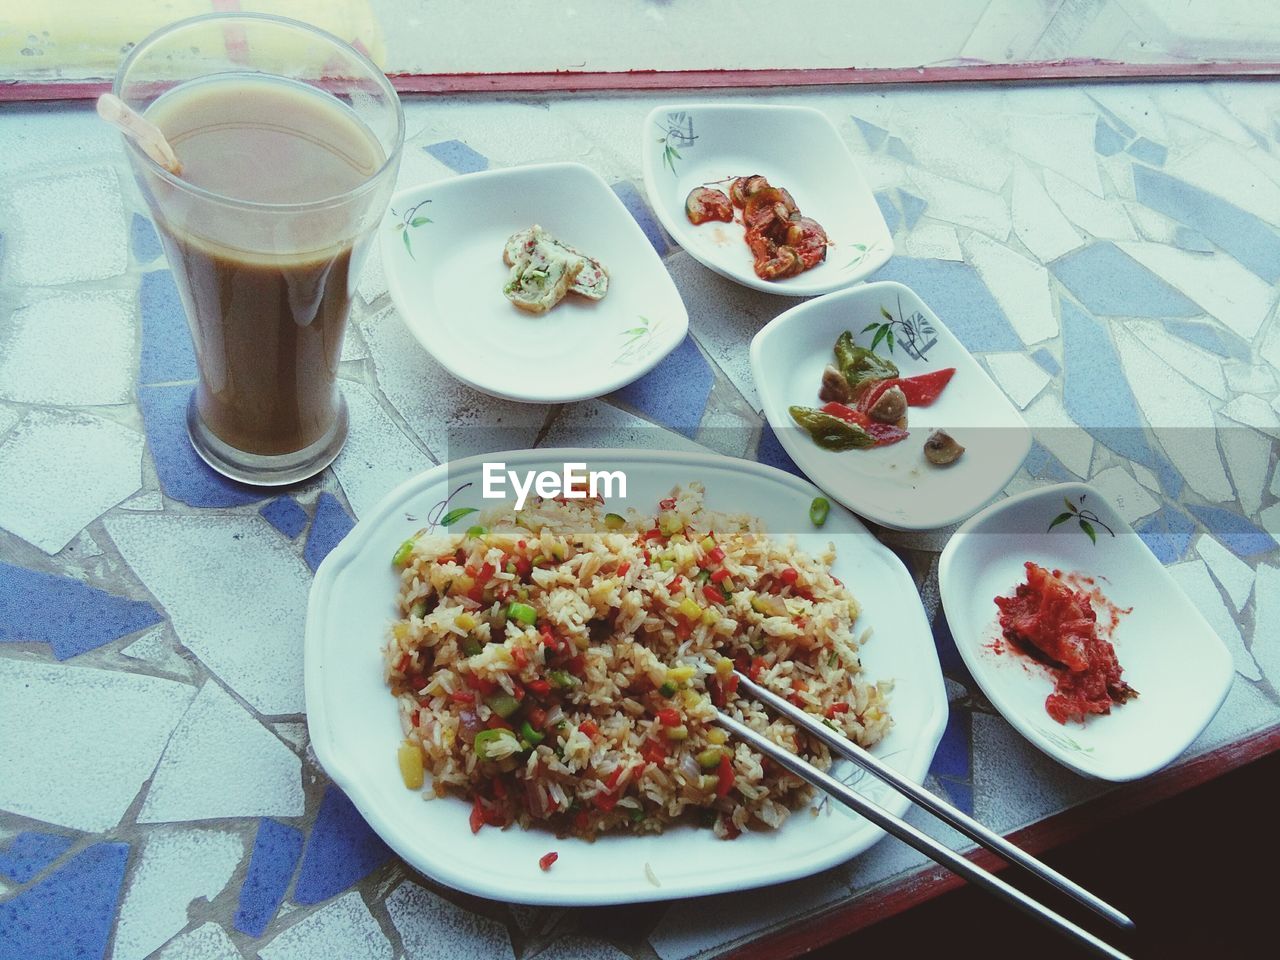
<point x="942" y="141"/>
<point x="1102" y="218"/>
<point x="595" y="423"/>
<point x="883" y="172"/>
<point x="152" y="647"/>
<point x="1233" y="574"/>
<point x="450" y="418"/>
<point x="83" y="547"/>
<point x="341" y="930"/>
<point x="1201" y="368"/>
<point x="102" y="731"/>
<point x="1265" y="646"/>
<point x="1018" y="375"/>
<point x="65" y="228"/>
<point x="1117" y="178"/>
<point x="1146" y="477"/>
<point x="1269" y="345"/>
<point x="724" y="316"/>
<point x="1020" y="286"/>
<point x="1132" y="104"/>
<point x="7" y="419"/>
<point x="579" y="947"/>
<point x="1269" y="519"/>
<point x="373" y="279"/>
<point x="1129" y="498"/>
<point x="1180" y="416"/>
<point x="431" y="927"/>
<point x="353" y="347"/>
<point x="1060" y="143"/>
<point x="959" y="203"/>
<point x="1151" y="225"/>
<point x="295" y="733"/>
<point x="933" y="241"/>
<point x="1248" y="457"/>
<point x="1037" y="220"/>
<point x="1061" y="435"/>
<point x="1194" y="580"/>
<point x="149" y="502"/>
<point x="252" y="639"/>
<point x="1217" y="282"/>
<point x="1253" y="412"/>
<point x="1014" y="783"/>
<point x="207" y="942"/>
<point x="377" y="454"/>
<point x="72" y="349"/>
<point x="1249" y="378"/>
<point x="61" y="471"/>
<point x="221" y="762"/>
<point x="176" y="866"/>
<point x="1188" y="102"/>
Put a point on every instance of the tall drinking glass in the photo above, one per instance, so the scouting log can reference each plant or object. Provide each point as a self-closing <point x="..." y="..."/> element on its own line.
<point x="289" y="141"/>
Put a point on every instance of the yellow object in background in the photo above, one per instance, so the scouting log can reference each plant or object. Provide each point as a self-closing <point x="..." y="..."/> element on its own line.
<point x="87" y="39"/>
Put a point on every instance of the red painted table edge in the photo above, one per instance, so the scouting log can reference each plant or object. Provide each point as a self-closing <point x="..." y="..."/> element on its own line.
<point x="929" y="882"/>
<point x="571" y="81"/>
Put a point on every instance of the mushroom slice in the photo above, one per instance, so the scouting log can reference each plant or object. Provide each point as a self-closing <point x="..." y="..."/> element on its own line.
<point x="941" y="448"/>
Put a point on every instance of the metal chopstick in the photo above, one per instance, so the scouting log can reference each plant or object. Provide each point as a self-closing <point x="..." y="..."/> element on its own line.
<point x="841" y="745"/>
<point x="920" y="841"/>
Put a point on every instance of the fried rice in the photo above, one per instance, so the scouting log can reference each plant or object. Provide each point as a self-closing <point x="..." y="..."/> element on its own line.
<point x="560" y="666"/>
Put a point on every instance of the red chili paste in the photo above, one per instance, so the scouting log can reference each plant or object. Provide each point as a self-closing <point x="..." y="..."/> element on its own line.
<point x="1047" y="617"/>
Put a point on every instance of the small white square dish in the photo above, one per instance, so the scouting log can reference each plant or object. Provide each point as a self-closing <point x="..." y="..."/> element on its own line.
<point x="1169" y="654"/>
<point x="442" y="249"/>
<point x="685" y="146"/>
<point x="893" y="485"/>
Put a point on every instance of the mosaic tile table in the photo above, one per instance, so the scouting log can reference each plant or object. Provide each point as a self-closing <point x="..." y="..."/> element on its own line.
<point x="1111" y="253"/>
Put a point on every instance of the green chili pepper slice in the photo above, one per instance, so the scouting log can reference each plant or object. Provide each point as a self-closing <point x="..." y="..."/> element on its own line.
<point x="404" y="553"/>
<point x="523" y="613"/>
<point x="818" y="511"/>
<point x="503" y="704"/>
<point x="831" y="433"/>
<point x="530" y="735"/>
<point x="668" y="689"/>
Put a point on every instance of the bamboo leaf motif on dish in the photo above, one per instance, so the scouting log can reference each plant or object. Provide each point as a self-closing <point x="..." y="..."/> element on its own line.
<point x="915" y="333"/>
<point x="1063" y="741"/>
<point x="410" y="220"/>
<point x="639" y="340"/>
<point x="1087" y="520"/>
<point x="677" y="132"/>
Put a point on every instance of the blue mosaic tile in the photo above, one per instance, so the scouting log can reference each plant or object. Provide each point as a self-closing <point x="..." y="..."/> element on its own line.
<point x="66" y="916"/>
<point x="1211" y="338"/>
<point x="341" y="851"/>
<point x="1192" y="240"/>
<point x="1148" y="151"/>
<point x="949" y="658"/>
<point x="1043" y="465"/>
<point x="1170" y="478"/>
<point x="167" y="355"/>
<point x="143" y="240"/>
<point x="675" y="392"/>
<point x="961" y="300"/>
<point x="1048" y="362"/>
<point x="331" y="524"/>
<point x="1111" y="283"/>
<point x="1236" y="533"/>
<point x="1094" y="389"/>
<point x="457" y="156"/>
<point x="30" y="853"/>
<point x="871" y="133"/>
<point x="961" y="794"/>
<point x="286" y="515"/>
<point x="887" y="210"/>
<point x="1246" y="237"/>
<point x="900" y="151"/>
<point x="639" y="208"/>
<point x="952" y="757"/>
<point x="1167" y="533"/>
<point x="1106" y="141"/>
<point x="183" y="475"/>
<point x="770" y="451"/>
<point x="913" y="208"/>
<point x="71" y="616"/>
<point x="275" y="854"/>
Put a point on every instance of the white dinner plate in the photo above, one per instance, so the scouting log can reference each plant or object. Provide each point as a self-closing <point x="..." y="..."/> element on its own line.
<point x="892" y="485"/>
<point x="1168" y="652"/>
<point x="442" y="249"/>
<point x="355" y="729"/>
<point x="687" y="146"/>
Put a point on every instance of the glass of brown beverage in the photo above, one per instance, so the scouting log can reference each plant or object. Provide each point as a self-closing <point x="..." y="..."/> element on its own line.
<point x="289" y="141"/>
